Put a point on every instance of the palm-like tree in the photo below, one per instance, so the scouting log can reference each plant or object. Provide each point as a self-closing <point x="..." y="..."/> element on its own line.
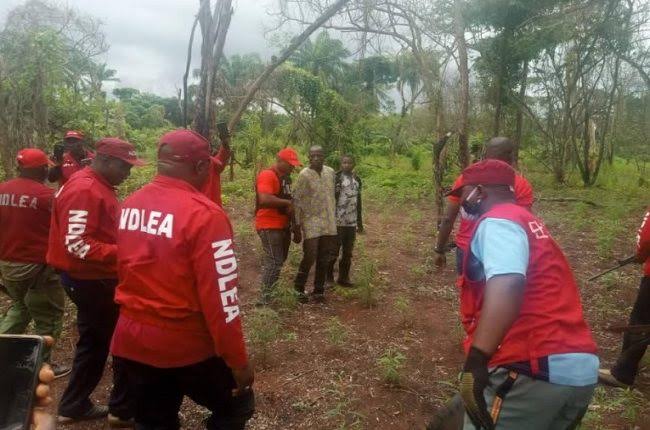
<point x="325" y="58"/>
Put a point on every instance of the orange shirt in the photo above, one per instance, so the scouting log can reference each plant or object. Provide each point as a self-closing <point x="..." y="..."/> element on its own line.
<point x="268" y="182"/>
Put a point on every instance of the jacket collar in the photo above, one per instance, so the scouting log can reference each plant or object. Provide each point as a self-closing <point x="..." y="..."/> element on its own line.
<point x="169" y="182"/>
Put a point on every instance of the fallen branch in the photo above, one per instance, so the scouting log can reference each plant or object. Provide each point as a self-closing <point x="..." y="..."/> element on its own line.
<point x="568" y="199"/>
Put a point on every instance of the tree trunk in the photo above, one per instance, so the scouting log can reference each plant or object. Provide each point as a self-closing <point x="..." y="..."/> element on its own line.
<point x="519" y="132"/>
<point x="187" y="70"/>
<point x="214" y="28"/>
<point x="463" y="70"/>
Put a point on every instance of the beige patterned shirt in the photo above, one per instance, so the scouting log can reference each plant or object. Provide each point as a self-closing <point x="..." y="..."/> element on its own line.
<point x="313" y="197"/>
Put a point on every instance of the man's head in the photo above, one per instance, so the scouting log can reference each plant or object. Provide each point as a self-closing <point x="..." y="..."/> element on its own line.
<point x="500" y="148"/>
<point x="485" y="184"/>
<point x="73" y="142"/>
<point x="185" y="155"/>
<point x="33" y="164"/>
<point x="316" y="157"/>
<point x="114" y="159"/>
<point x="287" y="161"/>
<point x="347" y="164"/>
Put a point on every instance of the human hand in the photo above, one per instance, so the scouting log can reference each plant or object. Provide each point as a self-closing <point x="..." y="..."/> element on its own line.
<point x="473" y="380"/>
<point x="297" y="235"/>
<point x="42" y="420"/>
<point x="244" y="379"/>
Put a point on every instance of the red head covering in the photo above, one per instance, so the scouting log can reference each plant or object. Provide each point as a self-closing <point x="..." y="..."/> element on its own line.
<point x="31" y="157"/>
<point x="118" y="148"/>
<point x="185" y="145"/>
<point x="486" y="172"/>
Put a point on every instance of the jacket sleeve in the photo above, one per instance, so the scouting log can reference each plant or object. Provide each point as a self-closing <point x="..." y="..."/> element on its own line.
<point x="215" y="266"/>
<point x="643" y="239"/>
<point x="220" y="160"/>
<point x="81" y="220"/>
<point x="359" y="208"/>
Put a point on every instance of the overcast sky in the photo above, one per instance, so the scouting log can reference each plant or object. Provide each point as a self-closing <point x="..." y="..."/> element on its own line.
<point x="148" y="38"/>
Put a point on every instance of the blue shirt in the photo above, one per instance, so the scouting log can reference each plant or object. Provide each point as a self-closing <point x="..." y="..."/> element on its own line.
<point x="500" y="247"/>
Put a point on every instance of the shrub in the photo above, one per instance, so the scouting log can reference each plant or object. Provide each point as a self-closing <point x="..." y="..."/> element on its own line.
<point x="390" y="365"/>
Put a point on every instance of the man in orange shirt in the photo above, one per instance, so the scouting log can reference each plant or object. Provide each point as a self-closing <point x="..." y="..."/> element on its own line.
<point x="497" y="148"/>
<point x="626" y="368"/>
<point x="273" y="217"/>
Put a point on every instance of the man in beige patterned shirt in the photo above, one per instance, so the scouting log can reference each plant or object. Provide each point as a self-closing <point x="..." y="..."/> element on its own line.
<point x="315" y="206"/>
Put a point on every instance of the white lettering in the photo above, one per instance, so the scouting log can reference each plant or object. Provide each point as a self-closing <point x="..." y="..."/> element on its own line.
<point x="34" y="203"/>
<point x="78" y="216"/>
<point x="167" y="226"/>
<point x="223" y="281"/>
<point x="134" y="220"/>
<point x="77" y="220"/>
<point x="227" y="266"/>
<point x="123" y="217"/>
<point x="153" y="222"/>
<point x="143" y="226"/>
<point x="232" y="312"/>
<point x="23" y="202"/>
<point x="223" y="249"/>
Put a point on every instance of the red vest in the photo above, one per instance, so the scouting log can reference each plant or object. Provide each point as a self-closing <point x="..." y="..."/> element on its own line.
<point x="550" y="320"/>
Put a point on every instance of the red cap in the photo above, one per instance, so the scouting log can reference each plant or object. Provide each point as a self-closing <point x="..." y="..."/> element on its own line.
<point x="486" y="172"/>
<point x="290" y="156"/>
<point x="186" y="145"/>
<point x="74" y="134"/>
<point x="118" y="148"/>
<point x="31" y="157"/>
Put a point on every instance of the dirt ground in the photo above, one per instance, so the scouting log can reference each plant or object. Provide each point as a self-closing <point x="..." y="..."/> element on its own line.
<point x="307" y="381"/>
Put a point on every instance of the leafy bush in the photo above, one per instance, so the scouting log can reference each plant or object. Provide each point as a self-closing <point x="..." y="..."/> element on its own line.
<point x="263" y="329"/>
<point x="390" y="365"/>
<point x="337" y="332"/>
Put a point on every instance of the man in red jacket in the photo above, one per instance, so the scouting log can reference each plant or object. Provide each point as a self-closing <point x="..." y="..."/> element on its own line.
<point x="71" y="158"/>
<point x="497" y="148"/>
<point x="626" y="368"/>
<point x="179" y="331"/>
<point x="212" y="185"/>
<point x="82" y="246"/>
<point x="521" y="311"/>
<point x="25" y="210"/>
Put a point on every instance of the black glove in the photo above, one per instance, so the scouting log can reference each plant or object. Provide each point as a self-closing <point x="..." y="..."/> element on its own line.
<point x="473" y="380"/>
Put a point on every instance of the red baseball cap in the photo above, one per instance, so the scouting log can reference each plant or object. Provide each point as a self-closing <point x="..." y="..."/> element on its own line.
<point x="74" y="134"/>
<point x="31" y="157"/>
<point x="186" y="145"/>
<point x="486" y="172"/>
<point x="118" y="148"/>
<point x="290" y="156"/>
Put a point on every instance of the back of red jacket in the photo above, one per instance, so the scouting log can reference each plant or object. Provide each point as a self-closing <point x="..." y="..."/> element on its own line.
<point x="84" y="227"/>
<point x="25" y="208"/>
<point x="178" y="279"/>
<point x="643" y="243"/>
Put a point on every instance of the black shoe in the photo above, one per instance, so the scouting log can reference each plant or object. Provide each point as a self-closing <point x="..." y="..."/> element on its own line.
<point x="119" y="423"/>
<point x="60" y="370"/>
<point x="345" y="284"/>
<point x="318" y="297"/>
<point x="96" y="412"/>
<point x="301" y="296"/>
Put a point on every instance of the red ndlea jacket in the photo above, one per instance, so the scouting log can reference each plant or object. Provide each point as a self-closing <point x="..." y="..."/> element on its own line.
<point x="550" y="320"/>
<point x="25" y="209"/>
<point x="84" y="227"/>
<point x="643" y="243"/>
<point x="178" y="279"/>
<point x="70" y="166"/>
<point x="523" y="196"/>
<point x="212" y="187"/>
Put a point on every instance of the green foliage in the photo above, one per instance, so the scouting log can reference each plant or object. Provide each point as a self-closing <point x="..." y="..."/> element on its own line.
<point x="284" y="297"/>
<point x="337" y="332"/>
<point x="391" y="364"/>
<point x="404" y="310"/>
<point x="366" y="290"/>
<point x="263" y="328"/>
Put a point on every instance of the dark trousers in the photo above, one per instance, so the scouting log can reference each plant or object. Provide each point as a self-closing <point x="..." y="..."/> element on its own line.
<point x="346" y="238"/>
<point x="97" y="315"/>
<point x="158" y="394"/>
<point x="634" y="345"/>
<point x="275" y="244"/>
<point x="320" y="250"/>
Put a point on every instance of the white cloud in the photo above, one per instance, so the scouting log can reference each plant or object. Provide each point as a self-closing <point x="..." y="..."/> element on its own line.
<point x="148" y="38"/>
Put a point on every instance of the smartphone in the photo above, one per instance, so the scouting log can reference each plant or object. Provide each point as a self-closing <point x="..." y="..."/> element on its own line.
<point x="21" y="358"/>
<point x="222" y="128"/>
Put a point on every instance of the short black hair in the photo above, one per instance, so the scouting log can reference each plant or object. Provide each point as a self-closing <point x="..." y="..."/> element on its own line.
<point x="351" y="157"/>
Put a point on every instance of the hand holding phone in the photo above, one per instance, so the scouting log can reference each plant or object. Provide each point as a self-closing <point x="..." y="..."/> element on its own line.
<point x="21" y="359"/>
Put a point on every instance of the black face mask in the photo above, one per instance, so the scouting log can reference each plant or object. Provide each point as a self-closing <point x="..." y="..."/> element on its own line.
<point x="472" y="208"/>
